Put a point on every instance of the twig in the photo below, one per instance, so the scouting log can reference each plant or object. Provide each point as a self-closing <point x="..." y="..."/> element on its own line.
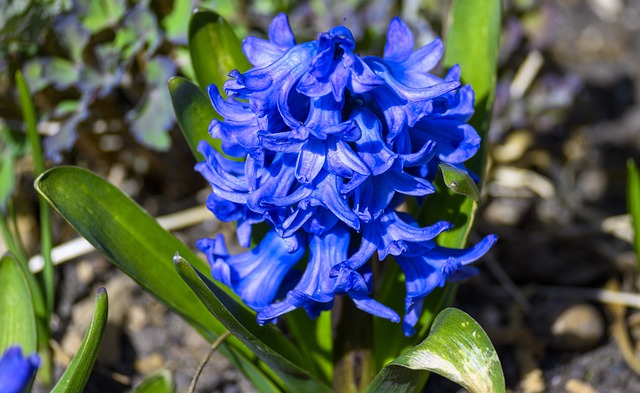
<point x="601" y="295"/>
<point x="214" y="346"/>
<point x="77" y="247"/>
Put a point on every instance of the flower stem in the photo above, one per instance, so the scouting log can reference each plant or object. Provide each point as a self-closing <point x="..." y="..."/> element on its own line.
<point x="352" y="352"/>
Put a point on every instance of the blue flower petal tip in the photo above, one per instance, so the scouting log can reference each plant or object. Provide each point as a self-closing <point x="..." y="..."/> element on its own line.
<point x="16" y="371"/>
<point x="334" y="144"/>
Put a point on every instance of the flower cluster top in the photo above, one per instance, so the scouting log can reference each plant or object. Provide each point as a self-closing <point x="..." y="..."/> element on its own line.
<point x="333" y="144"/>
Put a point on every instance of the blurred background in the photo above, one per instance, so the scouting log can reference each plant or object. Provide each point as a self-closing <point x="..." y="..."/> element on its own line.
<point x="566" y="120"/>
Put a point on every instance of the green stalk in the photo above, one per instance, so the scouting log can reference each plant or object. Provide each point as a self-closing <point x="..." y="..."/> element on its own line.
<point x="45" y="213"/>
<point x="352" y="353"/>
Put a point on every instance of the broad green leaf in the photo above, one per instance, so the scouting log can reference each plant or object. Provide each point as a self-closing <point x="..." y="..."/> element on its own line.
<point x="633" y="204"/>
<point x="194" y="113"/>
<point x="142" y="249"/>
<point x="158" y="382"/>
<point x="457" y="348"/>
<point x="77" y="374"/>
<point x="459" y="181"/>
<point x="215" y="49"/>
<point x="286" y="363"/>
<point x="17" y="316"/>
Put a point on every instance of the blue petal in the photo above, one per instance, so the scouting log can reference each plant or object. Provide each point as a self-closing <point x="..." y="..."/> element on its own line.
<point x="261" y="52"/>
<point x="17" y="372"/>
<point x="399" y="44"/>
<point x="255" y="275"/>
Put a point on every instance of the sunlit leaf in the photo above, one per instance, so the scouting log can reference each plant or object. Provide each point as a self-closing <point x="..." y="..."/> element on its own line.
<point x="457" y="348"/>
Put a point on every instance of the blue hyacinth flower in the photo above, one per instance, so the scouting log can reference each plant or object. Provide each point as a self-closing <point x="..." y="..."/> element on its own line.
<point x="16" y="371"/>
<point x="334" y="144"/>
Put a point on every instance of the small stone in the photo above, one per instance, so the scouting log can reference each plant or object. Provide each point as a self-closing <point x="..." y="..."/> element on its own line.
<point x="150" y="363"/>
<point x="578" y="327"/>
<point x="577" y="386"/>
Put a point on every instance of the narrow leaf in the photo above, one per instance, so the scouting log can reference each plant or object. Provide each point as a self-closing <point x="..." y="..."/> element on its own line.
<point x="77" y="374"/>
<point x="457" y="348"/>
<point x="142" y="249"/>
<point x="633" y="204"/>
<point x="215" y="49"/>
<point x="459" y="181"/>
<point x="194" y="113"/>
<point x="242" y="324"/>
<point x="18" y="326"/>
<point x="158" y="382"/>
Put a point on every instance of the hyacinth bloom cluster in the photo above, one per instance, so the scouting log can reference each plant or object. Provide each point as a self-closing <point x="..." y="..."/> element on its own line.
<point x="16" y="371"/>
<point x="333" y="143"/>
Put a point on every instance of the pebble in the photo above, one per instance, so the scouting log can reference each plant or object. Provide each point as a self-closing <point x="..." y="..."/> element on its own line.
<point x="577" y="328"/>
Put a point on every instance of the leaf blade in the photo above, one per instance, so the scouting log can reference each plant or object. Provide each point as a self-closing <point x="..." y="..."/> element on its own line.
<point x="215" y="49"/>
<point x="18" y="317"/>
<point x="457" y="348"/>
<point x="284" y="363"/>
<point x="77" y="374"/>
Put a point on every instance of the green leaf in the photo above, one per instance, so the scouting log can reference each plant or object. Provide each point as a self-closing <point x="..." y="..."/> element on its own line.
<point x="194" y="113"/>
<point x="18" y="326"/>
<point x="176" y="24"/>
<point x="142" y="249"/>
<point x="158" y="382"/>
<point x="457" y="348"/>
<point x="633" y="204"/>
<point x="7" y="180"/>
<point x="459" y="181"/>
<point x="314" y="338"/>
<point x="77" y="374"/>
<point x="101" y="14"/>
<point x="270" y="345"/>
<point x="127" y="235"/>
<point x="215" y="49"/>
<point x="472" y="40"/>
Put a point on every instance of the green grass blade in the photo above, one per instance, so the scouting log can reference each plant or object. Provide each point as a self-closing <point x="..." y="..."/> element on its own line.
<point x="46" y="238"/>
<point x="77" y="374"/>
